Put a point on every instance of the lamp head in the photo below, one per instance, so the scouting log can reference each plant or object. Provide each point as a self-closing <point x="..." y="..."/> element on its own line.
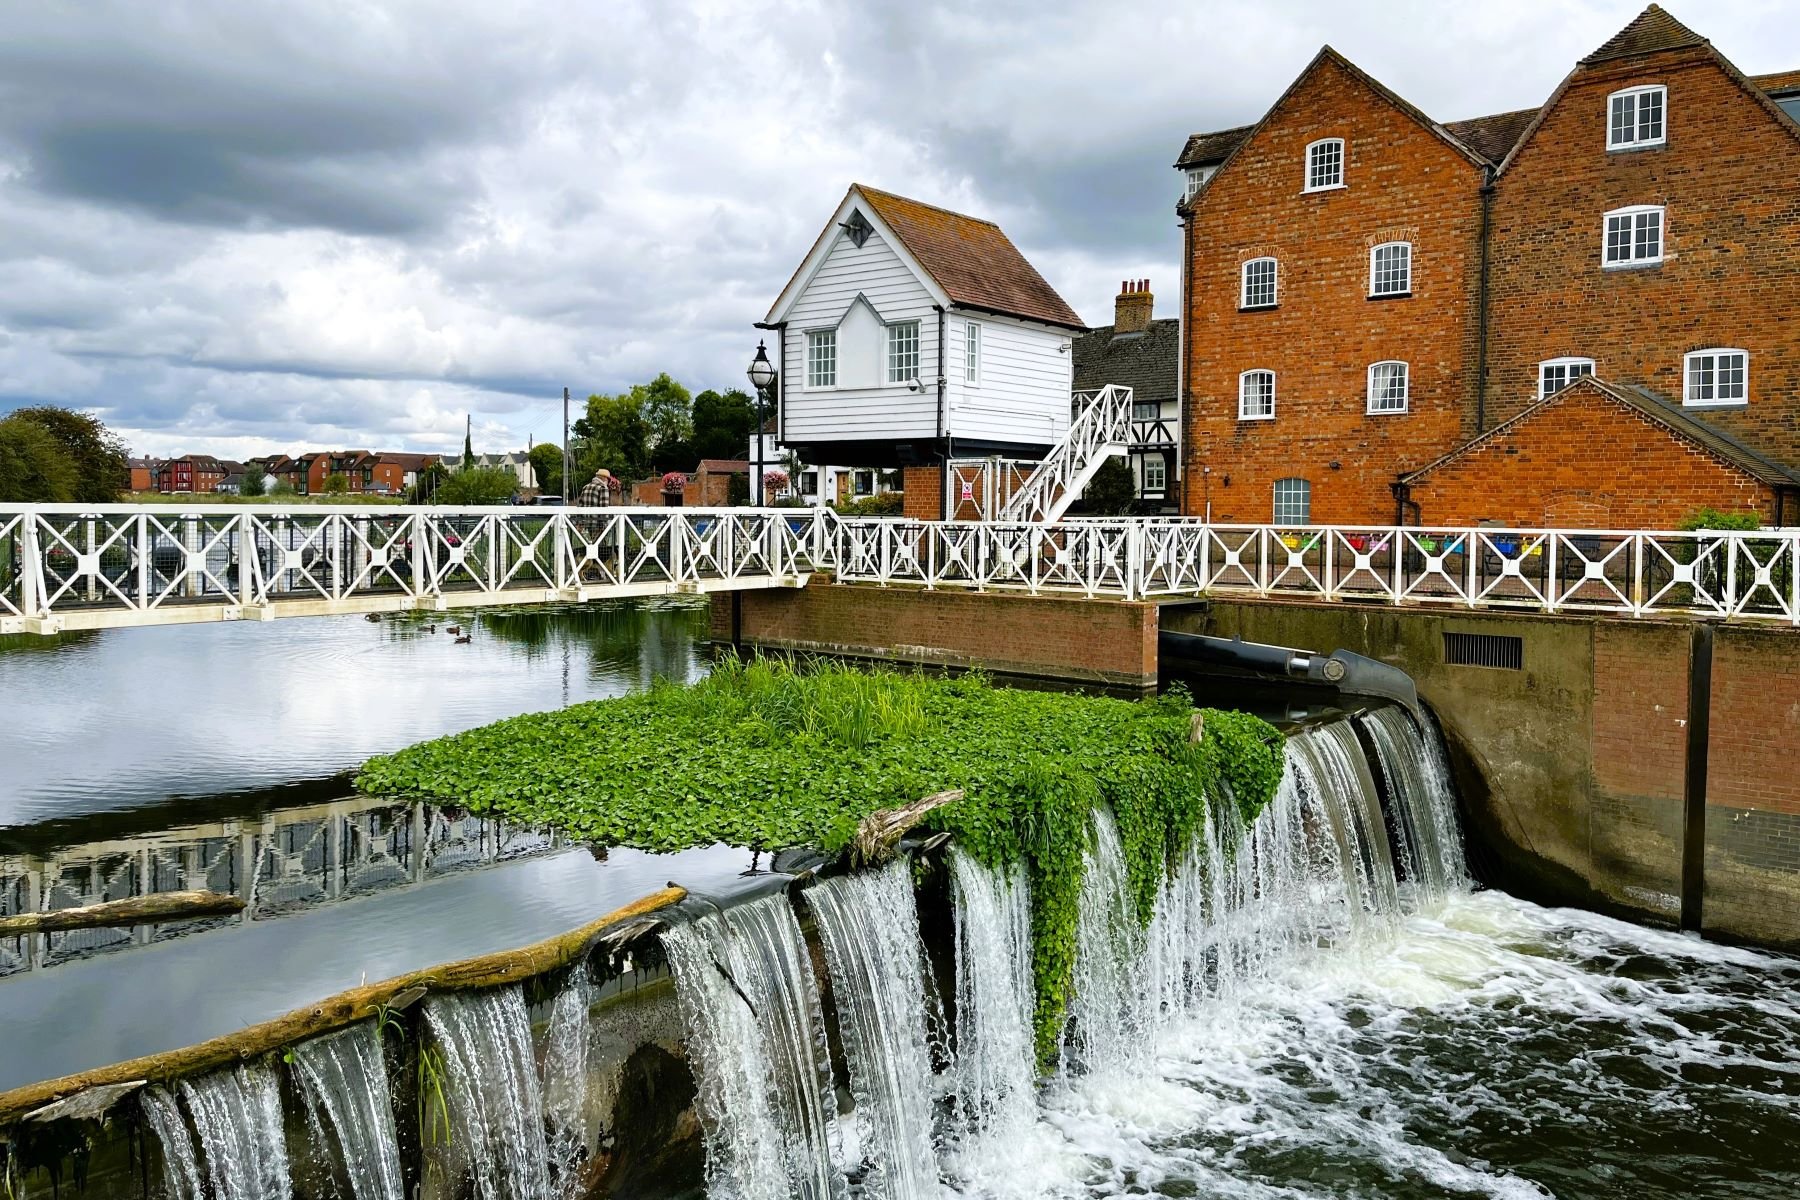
<point x="762" y="371"/>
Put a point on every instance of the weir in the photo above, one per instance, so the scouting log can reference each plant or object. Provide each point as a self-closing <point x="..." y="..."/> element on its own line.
<point x="834" y="1072"/>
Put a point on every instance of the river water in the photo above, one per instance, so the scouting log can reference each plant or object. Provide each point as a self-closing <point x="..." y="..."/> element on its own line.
<point x="1430" y="1040"/>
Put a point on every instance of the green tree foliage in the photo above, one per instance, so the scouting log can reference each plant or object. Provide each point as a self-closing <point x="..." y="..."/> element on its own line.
<point x="887" y="504"/>
<point x="668" y="411"/>
<point x="769" y="755"/>
<point x="430" y="479"/>
<point x="546" y="467"/>
<point x="253" y="480"/>
<point x="1112" y="492"/>
<point x="613" y="434"/>
<point x="477" y="485"/>
<point x="722" y="424"/>
<point x="34" y="468"/>
<point x="1739" y="521"/>
<point x="468" y="458"/>
<point x="336" y="484"/>
<point x="101" y="472"/>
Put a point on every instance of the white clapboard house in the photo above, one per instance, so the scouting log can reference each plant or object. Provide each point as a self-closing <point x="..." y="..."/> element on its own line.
<point x="911" y="336"/>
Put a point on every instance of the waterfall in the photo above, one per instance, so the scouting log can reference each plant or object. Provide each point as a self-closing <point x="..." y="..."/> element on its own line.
<point x="870" y="929"/>
<point x="996" y="1062"/>
<point x="342" y="1079"/>
<point x="756" y="1037"/>
<point x="1418" y="781"/>
<point x="565" y="1075"/>
<point x="181" y="1168"/>
<point x="1108" y="1010"/>
<point x="486" y="1080"/>
<point x="1332" y="771"/>
<point x="243" y="1142"/>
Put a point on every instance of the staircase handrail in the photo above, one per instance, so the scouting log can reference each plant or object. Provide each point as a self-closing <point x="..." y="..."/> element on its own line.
<point x="1103" y="424"/>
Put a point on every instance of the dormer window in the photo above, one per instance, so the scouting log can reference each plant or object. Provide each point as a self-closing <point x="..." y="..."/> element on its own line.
<point x="1635" y="117"/>
<point x="1325" y="164"/>
<point x="1195" y="177"/>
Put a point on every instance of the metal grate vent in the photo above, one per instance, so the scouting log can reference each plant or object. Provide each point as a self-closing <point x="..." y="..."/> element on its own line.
<point x="1484" y="650"/>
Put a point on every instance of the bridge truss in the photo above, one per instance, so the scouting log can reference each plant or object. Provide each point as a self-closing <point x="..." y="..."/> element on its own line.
<point x="82" y="567"/>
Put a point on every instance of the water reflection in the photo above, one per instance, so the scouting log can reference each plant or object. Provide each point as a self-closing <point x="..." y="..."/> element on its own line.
<point x="114" y="721"/>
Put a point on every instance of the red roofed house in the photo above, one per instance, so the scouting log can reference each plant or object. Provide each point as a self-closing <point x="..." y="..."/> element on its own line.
<point x="911" y="335"/>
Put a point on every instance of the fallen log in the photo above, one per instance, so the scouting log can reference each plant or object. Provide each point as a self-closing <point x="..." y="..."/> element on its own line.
<point x="138" y="910"/>
<point x="336" y="1012"/>
<point x="878" y="834"/>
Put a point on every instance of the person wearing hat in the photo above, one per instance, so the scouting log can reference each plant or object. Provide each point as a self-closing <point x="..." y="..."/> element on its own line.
<point x="597" y="492"/>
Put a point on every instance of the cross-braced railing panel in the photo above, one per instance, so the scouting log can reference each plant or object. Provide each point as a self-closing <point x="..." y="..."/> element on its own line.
<point x="1101" y="427"/>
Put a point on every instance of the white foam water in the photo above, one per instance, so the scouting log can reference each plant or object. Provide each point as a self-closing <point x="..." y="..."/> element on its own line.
<point x="238" y="1123"/>
<point x="995" y="1060"/>
<point x="1424" y="808"/>
<point x="343" y="1083"/>
<point x="490" y="1090"/>
<point x="869" y="926"/>
<point x="756" y="1036"/>
<point x="566" y="1067"/>
<point x="181" y="1164"/>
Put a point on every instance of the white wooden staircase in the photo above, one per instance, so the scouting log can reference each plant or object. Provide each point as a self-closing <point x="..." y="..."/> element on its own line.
<point x="1100" y="430"/>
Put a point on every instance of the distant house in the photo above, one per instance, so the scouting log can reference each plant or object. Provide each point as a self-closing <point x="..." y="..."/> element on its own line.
<point x="143" y="474"/>
<point x="518" y="462"/>
<point x="196" y="473"/>
<point x="911" y="335"/>
<point x="383" y="473"/>
<point x="1143" y="354"/>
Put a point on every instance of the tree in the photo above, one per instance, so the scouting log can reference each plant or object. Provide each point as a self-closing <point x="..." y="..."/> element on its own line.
<point x="668" y="410"/>
<point x="34" y="467"/>
<point x="722" y="424"/>
<point x="101" y="471"/>
<point x="253" y="480"/>
<point x="477" y="485"/>
<point x="546" y="467"/>
<point x="613" y="434"/>
<point x="1112" y="492"/>
<point x="468" y="458"/>
<point x="336" y="484"/>
<point x="430" y="479"/>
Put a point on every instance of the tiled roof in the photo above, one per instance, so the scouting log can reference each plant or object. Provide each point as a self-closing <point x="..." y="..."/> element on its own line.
<point x="722" y="466"/>
<point x="1780" y="81"/>
<point x="1648" y="404"/>
<point x="1492" y="137"/>
<point x="975" y="263"/>
<point x="1652" y="30"/>
<point x="1149" y="363"/>
<point x="1205" y="148"/>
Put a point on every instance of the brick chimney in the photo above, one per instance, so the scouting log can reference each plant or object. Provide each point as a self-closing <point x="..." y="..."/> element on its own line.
<point x="1131" y="311"/>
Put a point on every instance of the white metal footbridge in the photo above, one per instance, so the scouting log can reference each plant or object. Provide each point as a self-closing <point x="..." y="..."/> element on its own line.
<point x="70" y="567"/>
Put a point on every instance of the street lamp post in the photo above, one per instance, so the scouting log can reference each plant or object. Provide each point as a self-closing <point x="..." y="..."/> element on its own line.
<point x="762" y="378"/>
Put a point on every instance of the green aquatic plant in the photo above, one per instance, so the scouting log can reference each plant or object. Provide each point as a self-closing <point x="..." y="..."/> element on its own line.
<point x="770" y="754"/>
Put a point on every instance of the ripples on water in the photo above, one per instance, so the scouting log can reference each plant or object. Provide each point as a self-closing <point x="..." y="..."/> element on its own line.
<point x="1493" y="1048"/>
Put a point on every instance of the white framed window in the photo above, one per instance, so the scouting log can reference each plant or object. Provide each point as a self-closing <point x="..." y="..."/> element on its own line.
<point x="1555" y="374"/>
<point x="1256" y="396"/>
<point x="1195" y="177"/>
<point x="1293" y="502"/>
<point x="1156" y="473"/>
<point x="1390" y="269"/>
<point x="1145" y="410"/>
<point x="902" y="351"/>
<point x="1260" y="284"/>
<point x="971" y="353"/>
<point x="1634" y="236"/>
<point x="1325" y="164"/>
<point x="1634" y="117"/>
<point x="1387" y="387"/>
<point x="1716" y="379"/>
<point x="821" y="358"/>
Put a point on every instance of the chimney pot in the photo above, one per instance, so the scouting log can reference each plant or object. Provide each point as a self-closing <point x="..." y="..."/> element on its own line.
<point x="1132" y="310"/>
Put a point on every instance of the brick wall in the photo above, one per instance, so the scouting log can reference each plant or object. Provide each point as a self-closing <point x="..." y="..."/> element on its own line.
<point x="1542" y="472"/>
<point x="924" y="492"/>
<point x="1403" y="183"/>
<point x="1096" y="641"/>
<point x="1731" y="275"/>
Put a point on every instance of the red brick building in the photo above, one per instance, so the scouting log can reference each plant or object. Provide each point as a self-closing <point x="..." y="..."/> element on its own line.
<point x="192" y="473"/>
<point x="1368" y="289"/>
<point x="363" y="471"/>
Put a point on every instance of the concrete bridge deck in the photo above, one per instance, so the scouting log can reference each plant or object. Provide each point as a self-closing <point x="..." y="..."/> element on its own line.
<point x="66" y="567"/>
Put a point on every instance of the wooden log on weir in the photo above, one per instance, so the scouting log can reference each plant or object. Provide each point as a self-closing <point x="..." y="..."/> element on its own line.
<point x="336" y="1012"/>
<point x="138" y="910"/>
<point x="878" y="834"/>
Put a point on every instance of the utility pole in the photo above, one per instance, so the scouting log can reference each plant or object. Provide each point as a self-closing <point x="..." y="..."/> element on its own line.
<point x="566" y="466"/>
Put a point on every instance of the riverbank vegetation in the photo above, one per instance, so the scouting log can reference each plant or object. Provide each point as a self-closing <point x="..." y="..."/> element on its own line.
<point x="770" y="754"/>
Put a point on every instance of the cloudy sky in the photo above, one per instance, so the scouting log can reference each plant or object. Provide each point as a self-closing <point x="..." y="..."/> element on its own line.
<point x="241" y="228"/>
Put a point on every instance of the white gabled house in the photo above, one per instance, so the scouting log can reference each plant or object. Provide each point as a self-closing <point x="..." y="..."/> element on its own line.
<point x="911" y="335"/>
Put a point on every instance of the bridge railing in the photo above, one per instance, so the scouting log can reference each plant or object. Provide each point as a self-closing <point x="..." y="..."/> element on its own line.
<point x="144" y="560"/>
<point x="1621" y="572"/>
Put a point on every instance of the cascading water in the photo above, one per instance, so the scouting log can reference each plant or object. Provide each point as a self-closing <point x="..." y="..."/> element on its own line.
<point x="996" y="1068"/>
<point x="1329" y="765"/>
<point x="243" y="1144"/>
<point x="343" y="1082"/>
<point x="1109" y="1008"/>
<point x="870" y="929"/>
<point x="181" y="1167"/>
<point x="488" y="1083"/>
<point x="756" y="1036"/>
<point x="566" y="1080"/>
<point x="1418" y="782"/>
